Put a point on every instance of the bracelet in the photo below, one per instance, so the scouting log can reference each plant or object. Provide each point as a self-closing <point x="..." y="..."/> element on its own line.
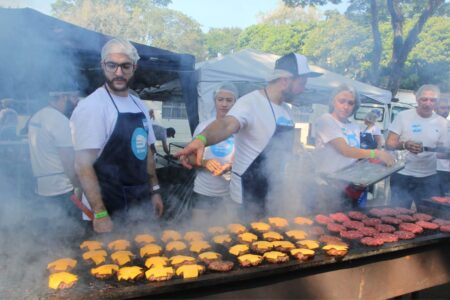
<point x="101" y="214"/>
<point x="372" y="153"/>
<point x="201" y="137"/>
<point x="156" y="188"/>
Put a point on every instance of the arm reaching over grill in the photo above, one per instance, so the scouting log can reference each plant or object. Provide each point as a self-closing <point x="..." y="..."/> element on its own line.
<point x="216" y="132"/>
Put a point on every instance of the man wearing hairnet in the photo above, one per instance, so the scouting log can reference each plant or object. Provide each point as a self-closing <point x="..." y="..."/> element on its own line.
<point x="112" y="135"/>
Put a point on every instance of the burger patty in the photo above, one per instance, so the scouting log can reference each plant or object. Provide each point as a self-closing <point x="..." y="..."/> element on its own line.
<point x="333" y="227"/>
<point x="316" y="230"/>
<point x="221" y="265"/>
<point x="384" y="228"/>
<point x="404" y="235"/>
<point x="445" y="228"/>
<point x="404" y="211"/>
<point x="386" y="237"/>
<point x="377" y="212"/>
<point x="388" y="211"/>
<point x="423" y="217"/>
<point x="371" y="221"/>
<point x="368" y="231"/>
<point x="329" y="239"/>
<point x="322" y="219"/>
<point x="411" y="227"/>
<point x="351" y="235"/>
<point x="427" y="225"/>
<point x="371" y="241"/>
<point x="406" y="218"/>
<point x="441" y="222"/>
<point x="357" y="215"/>
<point x="391" y="220"/>
<point x="353" y="224"/>
<point x="339" y="217"/>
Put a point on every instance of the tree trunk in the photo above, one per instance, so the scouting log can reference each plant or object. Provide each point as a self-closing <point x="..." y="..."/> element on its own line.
<point x="377" y="44"/>
<point x="401" y="49"/>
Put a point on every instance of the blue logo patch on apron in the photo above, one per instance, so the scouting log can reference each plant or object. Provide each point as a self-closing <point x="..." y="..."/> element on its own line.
<point x="416" y="128"/>
<point x="224" y="148"/>
<point x="283" y="121"/>
<point x="139" y="143"/>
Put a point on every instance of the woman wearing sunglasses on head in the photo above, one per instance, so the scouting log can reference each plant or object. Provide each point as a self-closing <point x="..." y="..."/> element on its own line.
<point x="338" y="139"/>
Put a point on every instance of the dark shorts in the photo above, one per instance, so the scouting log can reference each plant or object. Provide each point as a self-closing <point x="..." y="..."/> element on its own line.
<point x="407" y="189"/>
<point x="200" y="201"/>
<point x="444" y="183"/>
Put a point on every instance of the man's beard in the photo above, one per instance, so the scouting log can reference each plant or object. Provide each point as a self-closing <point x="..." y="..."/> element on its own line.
<point x="288" y="96"/>
<point x="110" y="83"/>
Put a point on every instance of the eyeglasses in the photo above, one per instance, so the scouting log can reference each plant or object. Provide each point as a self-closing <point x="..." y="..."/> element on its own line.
<point x="112" y="67"/>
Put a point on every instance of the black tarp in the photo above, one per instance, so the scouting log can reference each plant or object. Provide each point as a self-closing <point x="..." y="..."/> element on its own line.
<point x="39" y="53"/>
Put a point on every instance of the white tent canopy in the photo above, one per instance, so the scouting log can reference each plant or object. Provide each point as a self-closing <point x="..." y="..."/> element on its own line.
<point x="250" y="69"/>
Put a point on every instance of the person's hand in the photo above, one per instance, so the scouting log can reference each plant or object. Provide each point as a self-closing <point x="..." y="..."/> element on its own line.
<point x="192" y="154"/>
<point x="385" y="157"/>
<point x="413" y="147"/>
<point x="222" y="170"/>
<point x="102" y="225"/>
<point x="213" y="166"/>
<point x="158" y="205"/>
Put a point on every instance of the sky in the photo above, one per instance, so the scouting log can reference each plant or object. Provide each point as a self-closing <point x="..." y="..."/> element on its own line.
<point x="209" y="13"/>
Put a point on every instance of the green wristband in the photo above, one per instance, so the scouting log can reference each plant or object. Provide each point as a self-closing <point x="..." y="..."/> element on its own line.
<point x="372" y="153"/>
<point x="202" y="138"/>
<point x="101" y="214"/>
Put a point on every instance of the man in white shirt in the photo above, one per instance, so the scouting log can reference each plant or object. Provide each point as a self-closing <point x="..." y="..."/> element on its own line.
<point x="112" y="135"/>
<point x="443" y="165"/>
<point x="412" y="130"/>
<point x="52" y="162"/>
<point x="264" y="135"/>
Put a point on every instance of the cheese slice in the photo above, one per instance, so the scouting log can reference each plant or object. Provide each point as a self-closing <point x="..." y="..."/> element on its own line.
<point x="310" y="244"/>
<point x="274" y="254"/>
<point x="303" y="221"/>
<point x="260" y="226"/>
<point x="122" y="257"/>
<point x="119" y="245"/>
<point x="302" y="251"/>
<point x="62" y="264"/>
<point x="199" y="246"/>
<point x="91" y="245"/>
<point x="108" y="269"/>
<point x="96" y="256"/>
<point x="129" y="273"/>
<point x="175" y="246"/>
<point x="190" y="271"/>
<point x="159" y="272"/>
<point x="55" y="279"/>
<point x="236" y="228"/>
<point x="144" y="239"/>
<point x="263" y="245"/>
<point x="283" y="244"/>
<point x="216" y="230"/>
<point x="335" y="247"/>
<point x="222" y="239"/>
<point x="179" y="259"/>
<point x="236" y="249"/>
<point x="156" y="261"/>
<point x="150" y="250"/>
<point x="252" y="258"/>
<point x="248" y="237"/>
<point x="210" y="255"/>
<point x="170" y="235"/>
<point x="192" y="236"/>
<point x="272" y="235"/>
<point x="278" y="222"/>
<point x="296" y="234"/>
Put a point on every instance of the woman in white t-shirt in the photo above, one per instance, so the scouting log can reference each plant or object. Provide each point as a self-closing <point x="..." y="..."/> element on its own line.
<point x="338" y="139"/>
<point x="211" y="186"/>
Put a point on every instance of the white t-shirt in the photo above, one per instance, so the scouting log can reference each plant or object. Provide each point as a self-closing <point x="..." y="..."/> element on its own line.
<point x="327" y="128"/>
<point x="49" y="130"/>
<point x="94" y="118"/>
<point x="257" y="125"/>
<point x="444" y="164"/>
<point x="432" y="132"/>
<point x="205" y="182"/>
<point x="374" y="130"/>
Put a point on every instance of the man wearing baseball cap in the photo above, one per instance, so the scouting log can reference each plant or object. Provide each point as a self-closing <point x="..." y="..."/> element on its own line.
<point x="264" y="133"/>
